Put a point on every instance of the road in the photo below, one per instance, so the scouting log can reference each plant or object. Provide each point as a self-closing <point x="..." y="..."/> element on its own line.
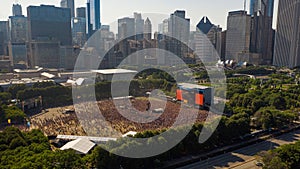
<point x="244" y="158"/>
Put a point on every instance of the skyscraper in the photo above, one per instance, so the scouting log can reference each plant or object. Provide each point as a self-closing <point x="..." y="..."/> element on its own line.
<point x="17" y="10"/>
<point x="261" y="30"/>
<point x="126" y="28"/>
<point x="148" y="29"/>
<point x="212" y="32"/>
<point x="237" y="35"/>
<point x="81" y="12"/>
<point x="163" y="28"/>
<point x="68" y="4"/>
<point x="3" y="37"/>
<point x="139" y="26"/>
<point x="264" y="6"/>
<point x="50" y="22"/>
<point x="79" y="31"/>
<point x="18" y="37"/>
<point x="93" y="16"/>
<point x="179" y="26"/>
<point x="49" y="29"/>
<point x="18" y="29"/>
<point x="287" y="38"/>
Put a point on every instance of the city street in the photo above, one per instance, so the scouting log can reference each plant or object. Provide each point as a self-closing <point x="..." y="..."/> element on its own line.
<point x="244" y="158"/>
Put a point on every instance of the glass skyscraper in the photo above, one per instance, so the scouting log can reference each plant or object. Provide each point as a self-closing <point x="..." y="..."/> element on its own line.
<point x="68" y="4"/>
<point x="261" y="12"/>
<point x="93" y="16"/>
<point x="259" y="6"/>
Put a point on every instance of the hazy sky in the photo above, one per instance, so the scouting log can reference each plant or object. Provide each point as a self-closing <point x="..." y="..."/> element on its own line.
<point x="216" y="10"/>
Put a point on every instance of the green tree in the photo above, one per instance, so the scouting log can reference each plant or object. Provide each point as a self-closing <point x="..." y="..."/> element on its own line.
<point x="13" y="89"/>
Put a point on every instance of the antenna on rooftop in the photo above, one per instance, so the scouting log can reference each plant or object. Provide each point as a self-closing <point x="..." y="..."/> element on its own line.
<point x="245" y="5"/>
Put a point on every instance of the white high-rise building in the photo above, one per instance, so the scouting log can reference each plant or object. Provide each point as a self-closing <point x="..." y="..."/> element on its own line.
<point x="139" y="26"/>
<point x="179" y="26"/>
<point x="287" y="38"/>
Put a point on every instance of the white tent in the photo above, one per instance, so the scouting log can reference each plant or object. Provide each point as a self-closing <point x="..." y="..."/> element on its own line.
<point x="81" y="145"/>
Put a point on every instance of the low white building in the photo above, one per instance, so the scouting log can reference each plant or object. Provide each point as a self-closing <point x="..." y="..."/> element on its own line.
<point x="118" y="74"/>
<point x="80" y="145"/>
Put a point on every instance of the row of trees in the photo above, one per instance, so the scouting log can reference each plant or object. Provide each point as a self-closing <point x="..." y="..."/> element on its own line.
<point x="267" y="105"/>
<point x="283" y="157"/>
<point x="20" y="150"/>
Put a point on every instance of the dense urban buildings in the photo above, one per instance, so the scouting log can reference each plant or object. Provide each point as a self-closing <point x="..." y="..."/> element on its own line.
<point x="248" y="38"/>
<point x="238" y="36"/>
<point x="287" y="43"/>
<point x="93" y="16"/>
<point x="68" y="4"/>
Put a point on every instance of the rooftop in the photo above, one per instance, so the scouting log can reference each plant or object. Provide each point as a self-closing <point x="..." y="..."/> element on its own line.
<point x="94" y="139"/>
<point x="113" y="71"/>
<point x="81" y="145"/>
<point x="192" y="86"/>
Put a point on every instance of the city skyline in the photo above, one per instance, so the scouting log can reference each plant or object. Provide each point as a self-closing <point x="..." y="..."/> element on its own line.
<point x="108" y="16"/>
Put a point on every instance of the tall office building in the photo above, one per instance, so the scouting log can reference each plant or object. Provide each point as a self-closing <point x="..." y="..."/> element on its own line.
<point x="43" y="19"/>
<point x="106" y="38"/>
<point x="178" y="34"/>
<point x="18" y="29"/>
<point x="68" y="4"/>
<point x="179" y="26"/>
<point x="223" y="45"/>
<point x="263" y="6"/>
<point x="4" y="37"/>
<point x="148" y="29"/>
<point x="287" y="38"/>
<point x="212" y="32"/>
<point x="49" y="29"/>
<point x="17" y="50"/>
<point x="78" y="25"/>
<point x="237" y="35"/>
<point x="17" y="10"/>
<point x="81" y="12"/>
<point x="163" y="28"/>
<point x="126" y="28"/>
<point x="93" y="16"/>
<point x="262" y="34"/>
<point x="139" y="26"/>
